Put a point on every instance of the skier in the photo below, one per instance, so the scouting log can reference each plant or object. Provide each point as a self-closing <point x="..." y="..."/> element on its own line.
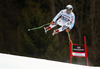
<point x="65" y="18"/>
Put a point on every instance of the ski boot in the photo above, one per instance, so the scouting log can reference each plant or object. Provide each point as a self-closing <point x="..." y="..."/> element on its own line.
<point x="55" y="32"/>
<point x="47" y="29"/>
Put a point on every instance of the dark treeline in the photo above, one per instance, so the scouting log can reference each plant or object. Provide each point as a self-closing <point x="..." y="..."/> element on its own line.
<point x="16" y="16"/>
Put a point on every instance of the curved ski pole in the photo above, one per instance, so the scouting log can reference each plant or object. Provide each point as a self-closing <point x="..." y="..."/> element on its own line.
<point x="70" y="39"/>
<point x="38" y="27"/>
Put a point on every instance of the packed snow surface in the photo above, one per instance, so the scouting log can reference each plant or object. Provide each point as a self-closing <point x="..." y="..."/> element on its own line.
<point x="18" y="62"/>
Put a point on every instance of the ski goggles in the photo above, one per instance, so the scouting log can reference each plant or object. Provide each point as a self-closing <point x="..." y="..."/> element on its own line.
<point x="68" y="8"/>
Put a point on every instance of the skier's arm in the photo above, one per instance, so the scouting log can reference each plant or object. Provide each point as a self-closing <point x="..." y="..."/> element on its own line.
<point x="57" y="16"/>
<point x="73" y="22"/>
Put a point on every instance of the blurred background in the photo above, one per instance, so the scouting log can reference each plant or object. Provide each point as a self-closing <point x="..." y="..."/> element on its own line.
<point x="16" y="16"/>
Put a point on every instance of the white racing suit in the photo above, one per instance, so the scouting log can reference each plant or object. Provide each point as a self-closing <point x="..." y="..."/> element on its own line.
<point x="64" y="20"/>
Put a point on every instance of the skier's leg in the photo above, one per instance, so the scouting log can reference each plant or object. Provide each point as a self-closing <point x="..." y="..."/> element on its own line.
<point x="59" y="30"/>
<point x="49" y="28"/>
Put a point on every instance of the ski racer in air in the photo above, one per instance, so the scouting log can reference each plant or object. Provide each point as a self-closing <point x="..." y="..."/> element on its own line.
<point x="65" y="19"/>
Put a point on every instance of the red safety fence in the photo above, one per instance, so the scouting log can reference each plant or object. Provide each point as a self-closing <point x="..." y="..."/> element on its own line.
<point x="77" y="50"/>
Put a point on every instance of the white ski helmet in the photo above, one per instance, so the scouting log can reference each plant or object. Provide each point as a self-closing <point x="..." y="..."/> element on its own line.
<point x="69" y="7"/>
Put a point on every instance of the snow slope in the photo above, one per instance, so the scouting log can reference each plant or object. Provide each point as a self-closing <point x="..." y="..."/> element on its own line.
<point x="18" y="62"/>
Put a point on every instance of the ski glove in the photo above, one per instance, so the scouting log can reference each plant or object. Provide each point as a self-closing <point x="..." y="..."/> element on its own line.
<point x="68" y="29"/>
<point x="52" y="23"/>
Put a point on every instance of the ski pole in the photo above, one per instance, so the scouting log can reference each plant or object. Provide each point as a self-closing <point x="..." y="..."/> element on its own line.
<point x="38" y="27"/>
<point x="70" y="39"/>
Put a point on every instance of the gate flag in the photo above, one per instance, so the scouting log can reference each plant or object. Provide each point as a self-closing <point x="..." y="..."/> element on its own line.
<point x="78" y="50"/>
